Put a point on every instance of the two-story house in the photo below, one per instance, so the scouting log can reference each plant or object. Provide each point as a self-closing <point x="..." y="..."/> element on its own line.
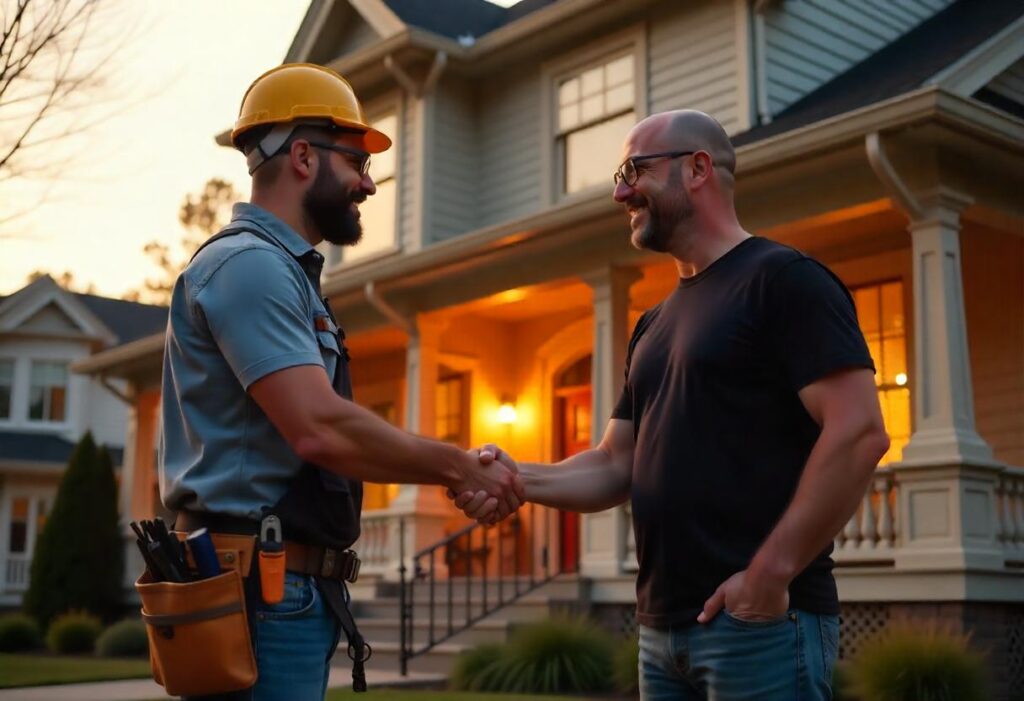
<point x="45" y="408"/>
<point x="494" y="293"/>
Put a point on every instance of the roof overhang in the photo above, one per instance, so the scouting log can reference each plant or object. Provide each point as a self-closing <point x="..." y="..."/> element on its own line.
<point x="127" y="361"/>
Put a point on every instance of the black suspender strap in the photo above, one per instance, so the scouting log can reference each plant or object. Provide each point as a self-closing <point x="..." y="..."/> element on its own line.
<point x="358" y="649"/>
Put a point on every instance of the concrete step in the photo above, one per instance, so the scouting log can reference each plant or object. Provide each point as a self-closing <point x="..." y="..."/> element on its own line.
<point x="532" y="609"/>
<point x="386" y="630"/>
<point x="567" y="586"/>
<point x="385" y="658"/>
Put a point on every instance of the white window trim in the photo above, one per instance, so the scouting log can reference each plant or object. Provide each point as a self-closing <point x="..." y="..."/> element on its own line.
<point x="632" y="39"/>
<point x="392" y="103"/>
<point x="11" y="418"/>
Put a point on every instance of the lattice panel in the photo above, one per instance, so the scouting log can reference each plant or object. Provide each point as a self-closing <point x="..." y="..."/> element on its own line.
<point x="1015" y="654"/>
<point x="620" y="620"/>
<point x="858" y="624"/>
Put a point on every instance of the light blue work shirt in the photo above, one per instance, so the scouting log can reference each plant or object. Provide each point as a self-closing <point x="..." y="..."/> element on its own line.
<point x="245" y="307"/>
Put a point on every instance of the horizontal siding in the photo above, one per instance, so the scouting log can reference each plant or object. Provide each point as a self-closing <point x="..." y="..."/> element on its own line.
<point x="509" y="146"/>
<point x="356" y="35"/>
<point x="407" y="205"/>
<point x="809" y="42"/>
<point x="692" y="61"/>
<point x="1010" y="83"/>
<point x="454" y="169"/>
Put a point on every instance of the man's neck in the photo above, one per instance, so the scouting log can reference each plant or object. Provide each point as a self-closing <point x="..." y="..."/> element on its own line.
<point x="705" y="247"/>
<point x="289" y="215"/>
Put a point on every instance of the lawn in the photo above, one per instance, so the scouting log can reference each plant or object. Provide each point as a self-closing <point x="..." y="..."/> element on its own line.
<point x="38" y="670"/>
<point x="396" y="695"/>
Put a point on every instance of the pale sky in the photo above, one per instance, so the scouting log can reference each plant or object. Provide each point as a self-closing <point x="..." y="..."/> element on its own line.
<point x="192" y="61"/>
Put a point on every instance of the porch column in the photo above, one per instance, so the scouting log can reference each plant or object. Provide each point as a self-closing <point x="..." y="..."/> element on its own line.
<point x="125" y="494"/>
<point x="943" y="398"/>
<point x="424" y="507"/>
<point x="948" y="476"/>
<point x="604" y="534"/>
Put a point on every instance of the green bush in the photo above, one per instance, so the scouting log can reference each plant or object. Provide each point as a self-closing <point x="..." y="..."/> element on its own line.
<point x="474" y="668"/>
<point x="74" y="632"/>
<point x="123" y="639"/>
<point x="18" y="633"/>
<point x="555" y="656"/>
<point x="79" y="562"/>
<point x="907" y="664"/>
<point x="627" y="670"/>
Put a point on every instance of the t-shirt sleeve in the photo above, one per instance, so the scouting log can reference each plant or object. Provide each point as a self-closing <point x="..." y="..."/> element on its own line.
<point x="813" y="327"/>
<point x="256" y="308"/>
<point x="624" y="407"/>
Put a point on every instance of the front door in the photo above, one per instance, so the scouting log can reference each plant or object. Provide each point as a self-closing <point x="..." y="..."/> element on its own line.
<point x="574" y="435"/>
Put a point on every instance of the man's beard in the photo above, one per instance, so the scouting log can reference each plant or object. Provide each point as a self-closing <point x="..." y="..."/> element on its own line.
<point x="328" y="209"/>
<point x="662" y="223"/>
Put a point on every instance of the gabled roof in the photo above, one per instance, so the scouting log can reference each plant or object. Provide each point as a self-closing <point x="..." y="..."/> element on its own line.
<point x="27" y="446"/>
<point x="128" y="320"/>
<point x="904" y="65"/>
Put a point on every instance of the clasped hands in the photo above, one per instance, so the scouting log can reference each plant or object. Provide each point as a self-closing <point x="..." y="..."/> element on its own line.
<point x="493" y="490"/>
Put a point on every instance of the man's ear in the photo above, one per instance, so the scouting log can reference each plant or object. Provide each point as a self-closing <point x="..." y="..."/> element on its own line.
<point x="700" y="168"/>
<point x="302" y="158"/>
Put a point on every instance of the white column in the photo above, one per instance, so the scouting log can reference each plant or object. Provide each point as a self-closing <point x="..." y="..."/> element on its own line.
<point x="424" y="507"/>
<point x="604" y="534"/>
<point x="133" y="563"/>
<point x="944" y="430"/>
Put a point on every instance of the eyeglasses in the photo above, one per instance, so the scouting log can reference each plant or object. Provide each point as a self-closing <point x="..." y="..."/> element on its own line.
<point x="362" y="162"/>
<point x="627" y="171"/>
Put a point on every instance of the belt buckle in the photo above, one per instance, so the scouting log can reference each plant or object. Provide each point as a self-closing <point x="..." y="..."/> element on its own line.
<point x="351" y="566"/>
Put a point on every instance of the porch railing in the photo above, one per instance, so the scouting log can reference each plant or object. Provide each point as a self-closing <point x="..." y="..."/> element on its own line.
<point x="16" y="570"/>
<point x="487" y="583"/>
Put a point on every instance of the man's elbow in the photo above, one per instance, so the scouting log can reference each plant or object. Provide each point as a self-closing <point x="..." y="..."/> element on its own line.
<point x="319" y="445"/>
<point x="873" y="442"/>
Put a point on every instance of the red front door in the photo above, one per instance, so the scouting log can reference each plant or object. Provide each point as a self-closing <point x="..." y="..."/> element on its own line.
<point x="574" y="435"/>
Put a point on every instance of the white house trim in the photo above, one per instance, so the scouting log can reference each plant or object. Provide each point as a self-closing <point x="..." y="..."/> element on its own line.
<point x="22" y="305"/>
<point x="987" y="60"/>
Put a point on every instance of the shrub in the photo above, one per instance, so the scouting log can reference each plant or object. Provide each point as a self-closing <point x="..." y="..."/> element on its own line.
<point x="18" y="633"/>
<point x="555" y="656"/>
<point x="626" y="666"/>
<point x="473" y="669"/>
<point x="78" y="562"/>
<point x="123" y="639"/>
<point x="907" y="664"/>
<point x="74" y="632"/>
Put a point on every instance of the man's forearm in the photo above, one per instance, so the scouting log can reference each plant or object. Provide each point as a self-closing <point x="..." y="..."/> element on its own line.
<point x="588" y="481"/>
<point x="833" y="484"/>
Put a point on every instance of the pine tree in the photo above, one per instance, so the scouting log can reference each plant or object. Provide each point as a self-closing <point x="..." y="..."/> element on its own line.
<point x="78" y="561"/>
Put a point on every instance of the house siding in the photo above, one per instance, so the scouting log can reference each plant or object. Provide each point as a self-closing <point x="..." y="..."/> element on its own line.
<point x="455" y="168"/>
<point x="808" y="42"/>
<point x="692" y="61"/>
<point x="509" y="146"/>
<point x="357" y="35"/>
<point x="408" y="209"/>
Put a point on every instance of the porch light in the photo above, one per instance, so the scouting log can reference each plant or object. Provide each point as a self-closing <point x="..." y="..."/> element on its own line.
<point x="507" y="412"/>
<point x="901" y="378"/>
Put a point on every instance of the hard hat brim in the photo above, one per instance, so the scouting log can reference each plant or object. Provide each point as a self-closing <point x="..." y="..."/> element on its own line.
<point x="374" y="141"/>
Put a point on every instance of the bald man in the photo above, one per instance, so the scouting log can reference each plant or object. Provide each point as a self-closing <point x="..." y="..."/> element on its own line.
<point x="746" y="435"/>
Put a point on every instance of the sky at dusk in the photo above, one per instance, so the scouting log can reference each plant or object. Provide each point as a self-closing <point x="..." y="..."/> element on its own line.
<point x="178" y="81"/>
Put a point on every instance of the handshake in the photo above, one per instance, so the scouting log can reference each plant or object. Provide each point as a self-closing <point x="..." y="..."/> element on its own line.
<point x="491" y="489"/>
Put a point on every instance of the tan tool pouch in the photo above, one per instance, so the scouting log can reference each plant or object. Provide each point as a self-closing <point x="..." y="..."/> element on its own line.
<point x="199" y="639"/>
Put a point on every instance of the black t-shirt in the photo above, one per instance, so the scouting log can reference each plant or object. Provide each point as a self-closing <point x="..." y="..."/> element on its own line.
<point x="722" y="437"/>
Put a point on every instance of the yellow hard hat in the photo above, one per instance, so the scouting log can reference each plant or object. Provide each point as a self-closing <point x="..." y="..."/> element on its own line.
<point x="300" y="92"/>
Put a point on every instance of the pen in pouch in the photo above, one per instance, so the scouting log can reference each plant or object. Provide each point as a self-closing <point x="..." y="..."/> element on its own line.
<point x="204" y="555"/>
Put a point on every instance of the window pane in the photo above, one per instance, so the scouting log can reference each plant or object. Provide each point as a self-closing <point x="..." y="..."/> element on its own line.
<point x="382" y="165"/>
<point x="18" y="539"/>
<point x="35" y="403"/>
<point x="568" y="117"/>
<point x="6" y="387"/>
<point x="892" y="307"/>
<point x="592" y="108"/>
<point x="619" y="98"/>
<point x="866" y="299"/>
<point x="591" y="154"/>
<point x="57" y="396"/>
<point x="6" y="372"/>
<point x="619" y="71"/>
<point x="896" y="413"/>
<point x="569" y="92"/>
<point x="47" y="391"/>
<point x="592" y="81"/>
<point x="377" y="215"/>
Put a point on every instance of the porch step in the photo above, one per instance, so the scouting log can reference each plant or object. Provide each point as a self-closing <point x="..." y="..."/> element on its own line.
<point x="440" y="660"/>
<point x="532" y="609"/>
<point x="386" y="630"/>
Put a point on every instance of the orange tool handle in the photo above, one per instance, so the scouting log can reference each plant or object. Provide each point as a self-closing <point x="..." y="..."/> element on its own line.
<point x="272" y="576"/>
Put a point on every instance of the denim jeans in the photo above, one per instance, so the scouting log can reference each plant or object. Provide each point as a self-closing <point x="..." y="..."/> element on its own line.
<point x="294" y="641"/>
<point x="787" y="659"/>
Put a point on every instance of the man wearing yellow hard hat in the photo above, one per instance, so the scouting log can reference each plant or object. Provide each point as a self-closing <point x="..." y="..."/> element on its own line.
<point x="262" y="445"/>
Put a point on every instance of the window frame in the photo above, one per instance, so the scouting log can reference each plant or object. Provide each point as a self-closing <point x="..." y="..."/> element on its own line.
<point x="465" y="378"/>
<point x="632" y="40"/>
<point x="11" y="413"/>
<point x="44" y="422"/>
<point x="384" y="107"/>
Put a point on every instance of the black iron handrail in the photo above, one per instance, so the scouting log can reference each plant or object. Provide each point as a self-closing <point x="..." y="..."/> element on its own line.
<point x="537" y="576"/>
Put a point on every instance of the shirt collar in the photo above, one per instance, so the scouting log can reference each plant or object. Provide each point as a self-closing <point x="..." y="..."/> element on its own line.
<point x="288" y="239"/>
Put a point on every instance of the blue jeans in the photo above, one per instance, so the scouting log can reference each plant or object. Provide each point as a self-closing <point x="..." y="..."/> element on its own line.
<point x="294" y="641"/>
<point x="787" y="659"/>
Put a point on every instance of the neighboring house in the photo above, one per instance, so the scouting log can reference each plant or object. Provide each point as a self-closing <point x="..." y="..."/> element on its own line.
<point x="885" y="138"/>
<point x="45" y="409"/>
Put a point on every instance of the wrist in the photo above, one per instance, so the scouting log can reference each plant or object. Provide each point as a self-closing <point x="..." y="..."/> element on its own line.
<point x="768" y="570"/>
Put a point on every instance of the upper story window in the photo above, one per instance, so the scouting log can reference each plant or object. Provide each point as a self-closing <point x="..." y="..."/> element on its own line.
<point x="451" y="407"/>
<point x="377" y="213"/>
<point x="880" y="313"/>
<point x="596" y="109"/>
<point x="48" y="390"/>
<point x="6" y="387"/>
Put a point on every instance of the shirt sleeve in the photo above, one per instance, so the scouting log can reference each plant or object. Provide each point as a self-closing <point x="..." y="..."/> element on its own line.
<point x="624" y="407"/>
<point x="256" y="308"/>
<point x="813" y="327"/>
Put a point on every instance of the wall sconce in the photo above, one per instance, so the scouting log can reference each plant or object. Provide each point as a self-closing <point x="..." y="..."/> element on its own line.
<point x="507" y="411"/>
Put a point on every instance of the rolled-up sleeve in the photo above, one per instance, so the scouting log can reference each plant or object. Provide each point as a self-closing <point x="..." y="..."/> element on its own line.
<point x="256" y="307"/>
